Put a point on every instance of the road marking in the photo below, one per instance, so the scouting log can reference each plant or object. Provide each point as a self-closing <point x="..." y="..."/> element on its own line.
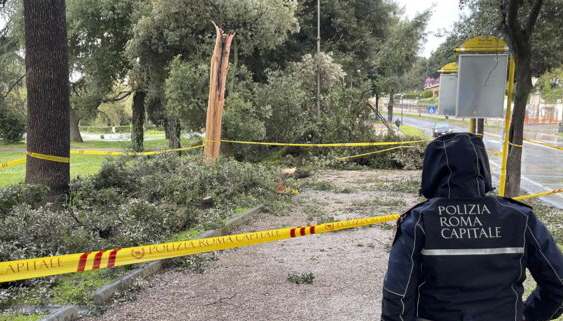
<point x="549" y="176"/>
<point x="525" y="141"/>
<point x="542" y="187"/>
<point x="486" y="133"/>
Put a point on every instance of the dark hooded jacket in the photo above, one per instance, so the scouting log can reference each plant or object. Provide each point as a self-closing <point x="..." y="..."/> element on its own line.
<point x="462" y="255"/>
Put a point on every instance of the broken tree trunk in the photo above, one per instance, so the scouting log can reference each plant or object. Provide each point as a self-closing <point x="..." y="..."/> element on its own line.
<point x="217" y="81"/>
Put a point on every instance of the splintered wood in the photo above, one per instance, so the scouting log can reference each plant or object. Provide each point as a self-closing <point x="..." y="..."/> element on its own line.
<point x="217" y="83"/>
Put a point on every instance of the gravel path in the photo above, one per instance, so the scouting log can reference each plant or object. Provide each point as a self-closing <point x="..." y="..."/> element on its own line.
<point x="252" y="283"/>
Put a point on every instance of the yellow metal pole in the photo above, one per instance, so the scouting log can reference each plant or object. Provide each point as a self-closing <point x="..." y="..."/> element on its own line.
<point x="473" y="125"/>
<point x="507" y="117"/>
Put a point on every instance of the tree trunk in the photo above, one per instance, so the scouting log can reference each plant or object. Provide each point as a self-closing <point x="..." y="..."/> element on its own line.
<point x="519" y="33"/>
<point x="377" y="102"/>
<point x="138" y="115"/>
<point x="523" y="88"/>
<point x="75" y="135"/>
<point x="48" y="103"/>
<point x="480" y="130"/>
<point x="390" y="107"/>
<point x="165" y="125"/>
<point x="235" y="67"/>
<point x="173" y="128"/>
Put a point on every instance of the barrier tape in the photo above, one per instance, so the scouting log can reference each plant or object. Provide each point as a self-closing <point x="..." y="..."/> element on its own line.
<point x="173" y="150"/>
<point x="12" y="163"/>
<point x="51" y="158"/>
<point x="105" y="259"/>
<point x="372" y="153"/>
<point x="545" y="144"/>
<point x="90" y="152"/>
<point x="110" y="153"/>
<point x="540" y="194"/>
<point x="363" y="144"/>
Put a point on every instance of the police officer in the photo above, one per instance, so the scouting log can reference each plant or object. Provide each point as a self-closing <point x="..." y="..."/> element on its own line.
<point x="462" y="255"/>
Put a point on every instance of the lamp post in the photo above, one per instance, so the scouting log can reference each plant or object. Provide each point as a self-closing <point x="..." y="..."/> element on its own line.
<point x="318" y="58"/>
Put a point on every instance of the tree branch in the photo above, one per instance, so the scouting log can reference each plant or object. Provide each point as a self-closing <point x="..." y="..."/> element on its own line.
<point x="512" y="19"/>
<point x="533" y="17"/>
<point x="13" y="85"/>
<point x="122" y="95"/>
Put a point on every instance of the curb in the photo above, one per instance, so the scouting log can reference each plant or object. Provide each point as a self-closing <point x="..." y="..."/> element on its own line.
<point x="106" y="292"/>
<point x="67" y="313"/>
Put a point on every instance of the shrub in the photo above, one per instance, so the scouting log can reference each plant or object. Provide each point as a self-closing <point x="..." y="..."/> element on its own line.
<point x="28" y="232"/>
<point x="285" y="96"/>
<point x="12" y="126"/>
<point x="19" y="194"/>
<point x="131" y="201"/>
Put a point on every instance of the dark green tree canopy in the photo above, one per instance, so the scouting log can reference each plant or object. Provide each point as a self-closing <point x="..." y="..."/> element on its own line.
<point x="98" y="32"/>
<point x="484" y="18"/>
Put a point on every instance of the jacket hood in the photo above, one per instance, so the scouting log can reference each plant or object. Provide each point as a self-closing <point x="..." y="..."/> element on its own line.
<point x="456" y="166"/>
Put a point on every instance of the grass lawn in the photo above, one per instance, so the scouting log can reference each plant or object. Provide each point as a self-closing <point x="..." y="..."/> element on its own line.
<point x="80" y="165"/>
<point x="412" y="131"/>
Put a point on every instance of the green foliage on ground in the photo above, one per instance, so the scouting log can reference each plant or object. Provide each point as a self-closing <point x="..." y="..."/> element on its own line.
<point x="131" y="201"/>
<point x="78" y="288"/>
<point x="20" y="317"/>
<point x="301" y="278"/>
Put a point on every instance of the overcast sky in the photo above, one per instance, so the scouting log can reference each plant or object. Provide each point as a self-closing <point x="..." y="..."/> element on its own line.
<point x="444" y="14"/>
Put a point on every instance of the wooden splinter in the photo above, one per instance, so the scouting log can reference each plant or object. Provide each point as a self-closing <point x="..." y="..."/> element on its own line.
<point x="217" y="85"/>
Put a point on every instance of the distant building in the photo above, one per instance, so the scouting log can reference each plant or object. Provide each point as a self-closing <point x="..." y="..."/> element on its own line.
<point x="540" y="112"/>
<point x="432" y="84"/>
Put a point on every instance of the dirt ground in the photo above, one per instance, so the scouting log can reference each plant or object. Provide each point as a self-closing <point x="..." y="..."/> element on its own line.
<point x="252" y="283"/>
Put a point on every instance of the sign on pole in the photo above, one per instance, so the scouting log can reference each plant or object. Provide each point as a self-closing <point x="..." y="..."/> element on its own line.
<point x="481" y="85"/>
<point x="448" y="89"/>
<point x="489" y="45"/>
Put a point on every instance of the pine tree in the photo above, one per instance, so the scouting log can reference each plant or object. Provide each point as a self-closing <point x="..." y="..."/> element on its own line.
<point x="48" y="105"/>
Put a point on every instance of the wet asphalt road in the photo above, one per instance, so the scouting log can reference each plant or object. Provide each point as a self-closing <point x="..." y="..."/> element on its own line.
<point x="542" y="167"/>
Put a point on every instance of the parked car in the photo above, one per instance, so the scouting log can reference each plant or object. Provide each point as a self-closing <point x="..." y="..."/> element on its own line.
<point x="441" y="129"/>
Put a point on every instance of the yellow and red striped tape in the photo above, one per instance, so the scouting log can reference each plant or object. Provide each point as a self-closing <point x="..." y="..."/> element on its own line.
<point x="87" y="261"/>
<point x="104" y="259"/>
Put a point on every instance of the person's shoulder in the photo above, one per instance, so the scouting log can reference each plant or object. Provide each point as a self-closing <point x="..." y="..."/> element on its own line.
<point x="513" y="204"/>
<point x="409" y="220"/>
<point x="413" y="213"/>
